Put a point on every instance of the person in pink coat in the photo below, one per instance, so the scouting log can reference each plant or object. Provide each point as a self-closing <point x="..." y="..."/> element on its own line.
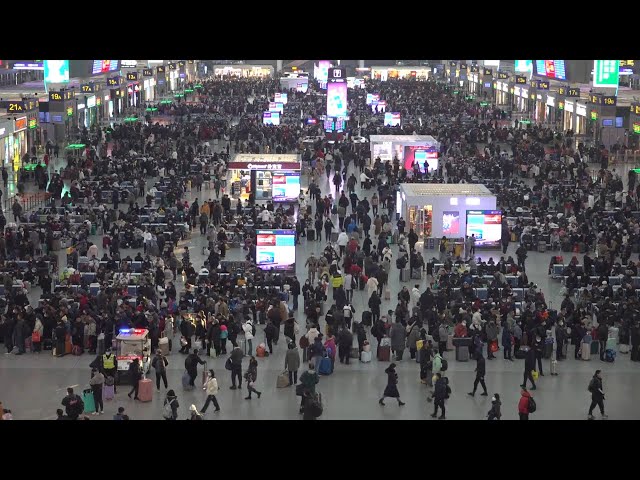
<point x="331" y="344"/>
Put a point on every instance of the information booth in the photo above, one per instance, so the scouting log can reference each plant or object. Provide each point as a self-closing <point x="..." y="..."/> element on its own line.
<point x="408" y="148"/>
<point x="434" y="210"/>
<point x="132" y="343"/>
<point x="268" y="177"/>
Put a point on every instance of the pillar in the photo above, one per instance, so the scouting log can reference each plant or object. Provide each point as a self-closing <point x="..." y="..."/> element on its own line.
<point x="361" y="64"/>
<point x="278" y="65"/>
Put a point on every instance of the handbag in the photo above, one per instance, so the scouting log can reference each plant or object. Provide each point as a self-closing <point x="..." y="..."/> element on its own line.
<point x="35" y="337"/>
<point x="534" y="374"/>
<point x="494" y="346"/>
<point x="228" y="365"/>
<point x="299" y="389"/>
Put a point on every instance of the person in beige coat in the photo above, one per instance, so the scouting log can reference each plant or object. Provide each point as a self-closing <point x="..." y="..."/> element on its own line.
<point x="211" y="387"/>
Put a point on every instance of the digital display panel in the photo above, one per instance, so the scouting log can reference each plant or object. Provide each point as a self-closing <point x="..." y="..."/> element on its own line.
<point x="392" y="119"/>
<point x="276" y="107"/>
<point x="372" y="97"/>
<point x="104" y="66"/>
<point x="337" y="99"/>
<point x="486" y="225"/>
<point x="285" y="187"/>
<point x="524" y="66"/>
<point x="322" y="72"/>
<point x="422" y="154"/>
<point x="380" y="105"/>
<point x="281" y="97"/>
<point x="551" y="69"/>
<point x="276" y="249"/>
<point x="56" y="71"/>
<point x="271" y="118"/>
<point x="450" y="223"/>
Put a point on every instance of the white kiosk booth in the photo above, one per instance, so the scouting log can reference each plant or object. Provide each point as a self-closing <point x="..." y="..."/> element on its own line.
<point x="408" y="148"/>
<point x="267" y="176"/>
<point x="453" y="210"/>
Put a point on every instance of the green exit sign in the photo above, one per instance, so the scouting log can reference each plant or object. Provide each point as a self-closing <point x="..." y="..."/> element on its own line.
<point x="188" y="90"/>
<point x="484" y="104"/>
<point x="179" y="95"/>
<point x="165" y="102"/>
<point x="526" y="122"/>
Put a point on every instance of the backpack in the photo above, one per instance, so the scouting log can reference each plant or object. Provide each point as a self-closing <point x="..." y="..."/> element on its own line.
<point x="253" y="330"/>
<point x="532" y="405"/>
<point x="167" y="410"/>
<point x="316" y="406"/>
<point x="445" y="365"/>
<point x="591" y="388"/>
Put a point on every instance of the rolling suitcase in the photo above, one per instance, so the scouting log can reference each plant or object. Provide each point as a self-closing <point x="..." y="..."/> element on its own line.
<point x="68" y="346"/>
<point x="311" y="235"/>
<point x="100" y="347"/>
<point x="610" y="355"/>
<point x="365" y="357"/>
<point x="542" y="247"/>
<point x="354" y="352"/>
<point x="554" y="367"/>
<point x="325" y="366"/>
<point x="450" y="342"/>
<point x="405" y="275"/>
<point x="108" y="392"/>
<point x="387" y="293"/>
<point x="145" y="390"/>
<point x="384" y="353"/>
<point x="89" y="402"/>
<point x="595" y="348"/>
<point x="624" y="348"/>
<point x="283" y="380"/>
<point x="585" y="351"/>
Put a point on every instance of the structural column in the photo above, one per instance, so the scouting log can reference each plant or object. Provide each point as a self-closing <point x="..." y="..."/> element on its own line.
<point x="360" y="63"/>
<point x="278" y="65"/>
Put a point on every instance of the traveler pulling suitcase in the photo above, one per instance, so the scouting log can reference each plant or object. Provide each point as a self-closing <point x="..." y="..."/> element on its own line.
<point x="89" y="402"/>
<point x="145" y="390"/>
<point x="585" y="350"/>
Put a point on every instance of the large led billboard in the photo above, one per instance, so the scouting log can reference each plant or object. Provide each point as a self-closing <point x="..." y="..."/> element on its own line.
<point x="104" y="66"/>
<point x="551" y="69"/>
<point x="276" y="249"/>
<point x="606" y="73"/>
<point x="486" y="225"/>
<point x="56" y="71"/>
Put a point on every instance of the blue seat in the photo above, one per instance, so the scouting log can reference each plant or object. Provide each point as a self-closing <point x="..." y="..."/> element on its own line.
<point x="482" y="293"/>
<point x="132" y="290"/>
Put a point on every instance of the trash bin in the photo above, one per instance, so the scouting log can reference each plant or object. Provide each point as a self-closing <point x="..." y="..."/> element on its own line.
<point x="462" y="345"/>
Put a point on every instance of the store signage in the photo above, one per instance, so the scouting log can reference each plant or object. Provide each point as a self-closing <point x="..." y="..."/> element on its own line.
<point x="594" y="115"/>
<point x="56" y="96"/>
<point x="520" y="80"/>
<point x="533" y="83"/>
<point x="2" y="131"/>
<point x="551" y="102"/>
<point x="487" y="72"/>
<point x="463" y="66"/>
<point x="635" y="108"/>
<point x="132" y="76"/>
<point x="595" y="99"/>
<point x="516" y="90"/>
<point x="610" y="100"/>
<point x="128" y="63"/>
<point x="16" y="107"/>
<point x="172" y="66"/>
<point x="113" y="81"/>
<point x="91" y="101"/>
<point x="636" y="128"/>
<point x="543" y="85"/>
<point x="160" y="69"/>
<point x="560" y="105"/>
<point x="87" y="88"/>
<point x="69" y="111"/>
<point x="568" y="107"/>
<point x="21" y="124"/>
<point x="81" y="106"/>
<point x="606" y="73"/>
<point x="33" y="123"/>
<point x="581" y="110"/>
<point x="475" y="68"/>
<point x="147" y="72"/>
<point x="264" y="166"/>
<point x="98" y="101"/>
<point x="33" y="66"/>
<point x="573" y="92"/>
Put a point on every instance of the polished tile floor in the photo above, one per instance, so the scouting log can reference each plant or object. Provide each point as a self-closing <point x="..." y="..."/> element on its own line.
<point x="33" y="385"/>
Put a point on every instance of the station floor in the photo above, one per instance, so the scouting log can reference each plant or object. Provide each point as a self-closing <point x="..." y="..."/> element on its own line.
<point x="33" y="385"/>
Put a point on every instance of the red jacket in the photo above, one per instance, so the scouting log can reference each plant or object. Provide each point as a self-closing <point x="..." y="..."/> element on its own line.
<point x="523" y="404"/>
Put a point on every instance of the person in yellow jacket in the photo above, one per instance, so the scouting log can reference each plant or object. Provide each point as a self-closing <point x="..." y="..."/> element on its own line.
<point x="110" y="366"/>
<point x="205" y="209"/>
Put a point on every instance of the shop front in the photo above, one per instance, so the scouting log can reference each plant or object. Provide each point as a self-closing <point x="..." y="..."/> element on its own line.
<point x="6" y="143"/>
<point x="173" y="80"/>
<point x="243" y="71"/>
<point x="633" y="133"/>
<point x="474" y="82"/>
<point x="437" y="210"/>
<point x="408" y="149"/>
<point x="569" y="115"/>
<point x="581" y="119"/>
<point x="540" y="108"/>
<point x="521" y="95"/>
<point x="273" y="178"/>
<point x="32" y="110"/>
<point x="501" y="93"/>
<point x="406" y="73"/>
<point x="19" y="141"/>
<point x="551" y="113"/>
<point x="133" y="94"/>
<point x="149" y="89"/>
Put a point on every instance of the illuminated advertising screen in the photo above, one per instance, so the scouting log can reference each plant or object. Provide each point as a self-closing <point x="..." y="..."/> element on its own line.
<point x="486" y="225"/>
<point x="606" y="73"/>
<point x="450" y="223"/>
<point x="271" y="118"/>
<point x="322" y="72"/>
<point x="56" y="71"/>
<point x="551" y="69"/>
<point x="381" y="104"/>
<point x="392" y="119"/>
<point x="104" y="66"/>
<point x="276" y="107"/>
<point x="337" y="99"/>
<point x="276" y="249"/>
<point x="524" y="66"/>
<point x="302" y="87"/>
<point x="281" y="98"/>
<point x="285" y="187"/>
<point x="372" y="97"/>
<point x="426" y="156"/>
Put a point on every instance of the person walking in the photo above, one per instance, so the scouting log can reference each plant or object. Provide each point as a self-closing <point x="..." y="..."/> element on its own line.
<point x="439" y="396"/>
<point x="524" y="405"/>
<point x="529" y="366"/>
<point x="391" y="390"/>
<point x="506" y="343"/>
<point x="73" y="404"/>
<point x="236" y="367"/>
<point x="292" y="363"/>
<point x="480" y="372"/>
<point x="495" y="413"/>
<point x="211" y="387"/>
<point x="247" y="327"/>
<point x="134" y="375"/>
<point x="597" y="395"/>
<point x="170" y="406"/>
<point x="96" y="383"/>
<point x="309" y="379"/>
<point x="251" y="376"/>
<point x="191" y="365"/>
<point x="194" y="414"/>
<point x="160" y="363"/>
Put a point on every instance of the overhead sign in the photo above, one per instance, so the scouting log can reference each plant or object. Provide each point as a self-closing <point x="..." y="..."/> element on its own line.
<point x="28" y="66"/>
<point x="172" y="66"/>
<point x="16" y="107"/>
<point x="543" y="85"/>
<point x="160" y="69"/>
<point x="21" y="124"/>
<point x="487" y="72"/>
<point x="503" y="76"/>
<point x="520" y="80"/>
<point x="606" y="73"/>
<point x="113" y="81"/>
<point x="128" y="63"/>
<point x="573" y="92"/>
<point x="87" y="88"/>
<point x="147" y="72"/>
<point x="132" y="76"/>
<point x="56" y="96"/>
